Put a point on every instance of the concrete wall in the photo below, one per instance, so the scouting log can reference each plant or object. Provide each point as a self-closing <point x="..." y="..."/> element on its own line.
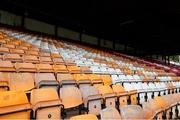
<point x="10" y="18"/>
<point x="89" y="39"/>
<point x="66" y="33"/>
<point x="39" y="26"/>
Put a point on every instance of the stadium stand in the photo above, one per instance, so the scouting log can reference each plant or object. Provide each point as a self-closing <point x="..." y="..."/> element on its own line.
<point x="45" y="78"/>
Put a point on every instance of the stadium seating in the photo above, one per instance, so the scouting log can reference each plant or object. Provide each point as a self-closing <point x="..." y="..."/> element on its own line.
<point x="101" y="84"/>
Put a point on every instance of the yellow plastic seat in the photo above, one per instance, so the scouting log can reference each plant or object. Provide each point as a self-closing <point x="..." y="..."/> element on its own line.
<point x="22" y="48"/>
<point x="14" y="105"/>
<point x="82" y="79"/>
<point x="60" y="69"/>
<point x="108" y="95"/>
<point x="110" y="113"/>
<point x="8" y="46"/>
<point x="92" y="99"/>
<point x="30" y="59"/>
<point x="4" y="81"/>
<point x="46" y="80"/>
<point x="44" y="68"/>
<point x="21" y="81"/>
<point x="152" y="109"/>
<point x="44" y="54"/>
<point x="132" y="112"/>
<point x="25" y="67"/>
<point x="95" y="79"/>
<point x="46" y="104"/>
<point x="6" y="66"/>
<point x="4" y="50"/>
<point x="17" y="51"/>
<point x="33" y="53"/>
<point x="73" y="69"/>
<point x="133" y="97"/>
<point x="12" y="57"/>
<point x="121" y="94"/>
<point x="71" y="97"/>
<point x="106" y="79"/>
<point x="84" y="117"/>
<point x="46" y="60"/>
<point x="55" y="55"/>
<point x="34" y="48"/>
<point x="66" y="79"/>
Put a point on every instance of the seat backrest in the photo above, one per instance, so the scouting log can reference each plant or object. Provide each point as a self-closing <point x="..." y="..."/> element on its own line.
<point x="43" y="94"/>
<point x="44" y="77"/>
<point x="12" y="102"/>
<point x="106" y="79"/>
<point x="88" y="91"/>
<point x="21" y="81"/>
<point x="110" y="113"/>
<point x="104" y="89"/>
<point x="84" y="117"/>
<point x="118" y="88"/>
<point x="133" y="112"/>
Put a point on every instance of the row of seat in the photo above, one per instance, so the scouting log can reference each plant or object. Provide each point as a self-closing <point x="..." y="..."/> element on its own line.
<point x="158" y="108"/>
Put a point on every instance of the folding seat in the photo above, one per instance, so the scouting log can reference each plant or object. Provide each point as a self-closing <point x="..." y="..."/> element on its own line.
<point x="17" y="51"/>
<point x="60" y="69"/>
<point x="4" y="50"/>
<point x="14" y="105"/>
<point x="8" y="46"/>
<point x="84" y="117"/>
<point x="121" y="94"/>
<point x="30" y="59"/>
<point x="108" y="95"/>
<point x="34" y="48"/>
<point x="55" y="55"/>
<point x="46" y="104"/>
<point x="85" y="69"/>
<point x="44" y="68"/>
<point x="12" y="57"/>
<point x="73" y="69"/>
<point x="58" y="61"/>
<point x="25" y="67"/>
<point x="22" y="48"/>
<point x="21" y="81"/>
<point x="46" y="60"/>
<point x="6" y="66"/>
<point x="44" y="54"/>
<point x="69" y="62"/>
<point x="110" y="113"/>
<point x="71" y="97"/>
<point x="66" y="80"/>
<point x="82" y="79"/>
<point x="92" y="99"/>
<point x="96" y="80"/>
<point x="132" y="112"/>
<point x="46" y="80"/>
<point x="33" y="53"/>
<point x="152" y="110"/>
<point x="171" y="105"/>
<point x="106" y="79"/>
<point x="4" y="81"/>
